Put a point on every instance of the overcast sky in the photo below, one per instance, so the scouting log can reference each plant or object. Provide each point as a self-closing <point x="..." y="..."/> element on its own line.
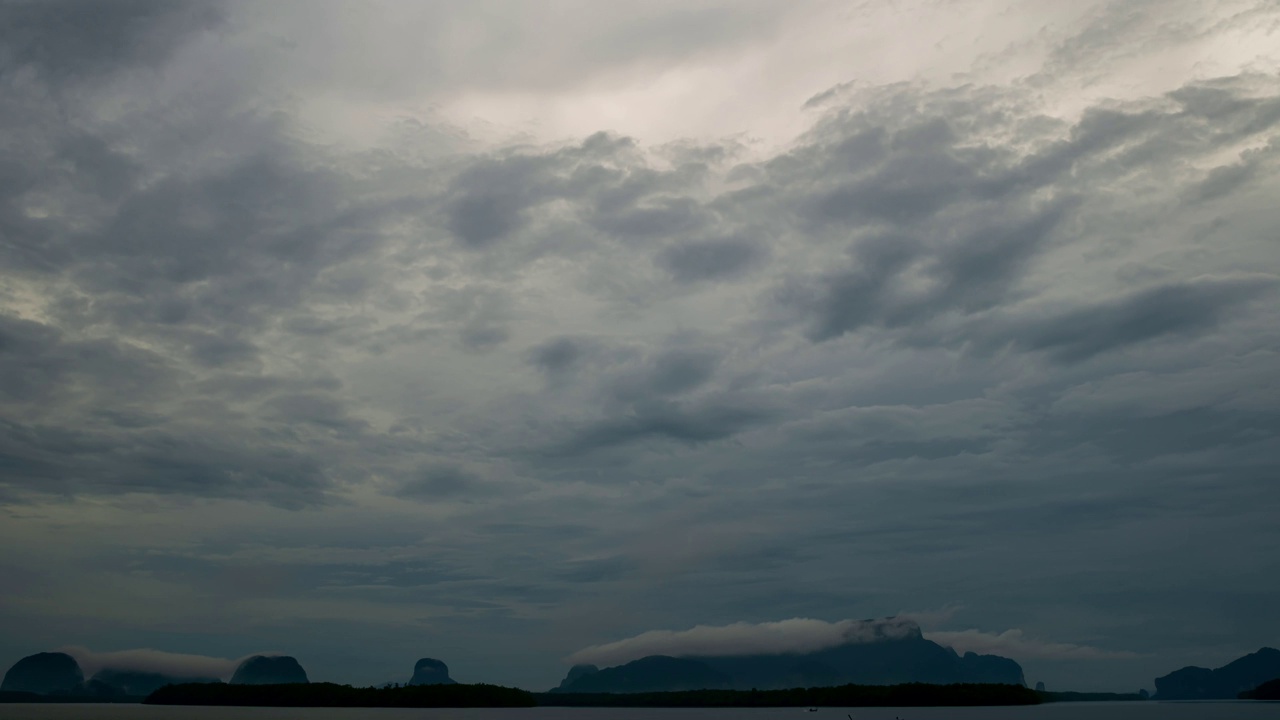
<point x="499" y="331"/>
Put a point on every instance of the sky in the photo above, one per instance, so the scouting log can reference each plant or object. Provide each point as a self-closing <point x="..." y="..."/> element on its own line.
<point x="507" y="332"/>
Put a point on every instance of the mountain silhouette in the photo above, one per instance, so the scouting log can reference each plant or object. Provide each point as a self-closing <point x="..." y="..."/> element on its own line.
<point x="576" y="672"/>
<point x="890" y="660"/>
<point x="1224" y="683"/>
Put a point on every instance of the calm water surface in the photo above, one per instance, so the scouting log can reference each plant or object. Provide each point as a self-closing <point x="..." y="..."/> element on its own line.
<point x="1061" y="711"/>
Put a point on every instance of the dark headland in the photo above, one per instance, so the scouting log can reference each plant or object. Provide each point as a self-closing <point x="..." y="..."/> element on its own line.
<point x="1269" y="690"/>
<point x="1224" y="683"/>
<point x="333" y="695"/>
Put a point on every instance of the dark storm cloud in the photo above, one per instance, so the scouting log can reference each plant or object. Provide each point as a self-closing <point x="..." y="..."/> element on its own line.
<point x="108" y="172"/>
<point x="968" y="220"/>
<point x="78" y="39"/>
<point x="482" y="337"/>
<point x="595" y="570"/>
<point x="1147" y="439"/>
<point x="482" y="314"/>
<point x="319" y="409"/>
<point x="1189" y="308"/>
<point x="709" y="259"/>
<point x="107" y="458"/>
<point x="558" y="355"/>
<point x="38" y="363"/>
<point x="883" y="220"/>
<point x="603" y="187"/>
<point x="188" y="271"/>
<point x="683" y="423"/>
<point x="210" y="249"/>
<point x="1029" y="353"/>
<point x="658" y="217"/>
<point x="1224" y="179"/>
<point x="490" y="199"/>
<point x="260" y="230"/>
<point x="678" y="371"/>
<point x="665" y="393"/>
<point x="968" y="273"/>
<point x="670" y="371"/>
<point x="438" y="482"/>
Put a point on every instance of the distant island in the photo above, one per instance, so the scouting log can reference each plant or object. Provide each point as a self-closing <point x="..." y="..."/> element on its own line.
<point x="897" y="653"/>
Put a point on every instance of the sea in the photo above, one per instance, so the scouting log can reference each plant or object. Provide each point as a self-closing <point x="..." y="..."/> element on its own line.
<point x="1226" y="710"/>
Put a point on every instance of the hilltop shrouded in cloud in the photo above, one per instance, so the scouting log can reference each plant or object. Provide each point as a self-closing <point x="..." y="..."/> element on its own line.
<point x="495" y="331"/>
<point x="145" y="660"/>
<point x="1015" y="644"/>
<point x="794" y="636"/>
<point x="798" y="636"/>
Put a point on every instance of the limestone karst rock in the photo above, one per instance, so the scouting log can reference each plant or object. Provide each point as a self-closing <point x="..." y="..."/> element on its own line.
<point x="46" y="673"/>
<point x="429" y="671"/>
<point x="576" y="672"/>
<point x="269" y="670"/>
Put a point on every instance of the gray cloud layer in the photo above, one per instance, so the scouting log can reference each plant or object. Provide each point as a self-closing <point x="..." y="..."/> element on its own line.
<point x="952" y="343"/>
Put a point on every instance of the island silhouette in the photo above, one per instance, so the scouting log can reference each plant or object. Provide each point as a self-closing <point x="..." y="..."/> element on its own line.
<point x="850" y="675"/>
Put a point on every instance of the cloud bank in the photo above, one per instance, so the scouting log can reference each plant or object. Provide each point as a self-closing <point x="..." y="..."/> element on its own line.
<point x="155" y="661"/>
<point x="1015" y="644"/>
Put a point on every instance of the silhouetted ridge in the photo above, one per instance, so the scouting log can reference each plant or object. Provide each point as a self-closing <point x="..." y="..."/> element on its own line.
<point x="46" y="673"/>
<point x="1224" y="683"/>
<point x="269" y="670"/>
<point x="656" y="673"/>
<point x="1269" y="690"/>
